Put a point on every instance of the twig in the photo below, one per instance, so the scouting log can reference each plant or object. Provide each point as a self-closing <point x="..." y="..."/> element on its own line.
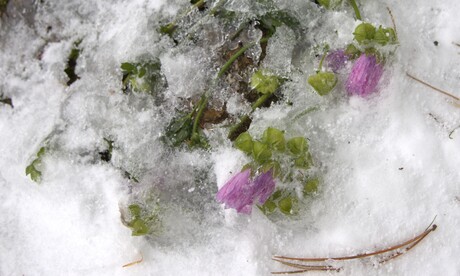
<point x="135" y="262"/>
<point x="434" y="88"/>
<point x="456" y="44"/>
<point x="393" y="21"/>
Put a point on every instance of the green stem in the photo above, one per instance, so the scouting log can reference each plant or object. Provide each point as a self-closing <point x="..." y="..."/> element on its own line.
<point x="321" y="62"/>
<point x="260" y="101"/>
<point x="355" y="8"/>
<point x="201" y="105"/>
<point x="237" y="55"/>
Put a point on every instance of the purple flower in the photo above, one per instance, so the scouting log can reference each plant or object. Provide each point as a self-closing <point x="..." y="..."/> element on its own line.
<point x="364" y="76"/>
<point x="240" y="192"/>
<point x="264" y="186"/>
<point x="336" y="60"/>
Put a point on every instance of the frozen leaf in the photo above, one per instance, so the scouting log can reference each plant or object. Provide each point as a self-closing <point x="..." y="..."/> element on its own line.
<point x="32" y="169"/>
<point x="323" y="82"/>
<point x="261" y="152"/>
<point x="310" y="187"/>
<point x="244" y="142"/>
<point x="384" y="36"/>
<point x="274" y="138"/>
<point x="264" y="83"/>
<point x="72" y="63"/>
<point x="143" y="77"/>
<point x="364" y="33"/>
<point x="297" y="145"/>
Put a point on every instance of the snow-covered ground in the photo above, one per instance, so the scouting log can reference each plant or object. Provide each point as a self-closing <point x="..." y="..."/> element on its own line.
<point x="387" y="163"/>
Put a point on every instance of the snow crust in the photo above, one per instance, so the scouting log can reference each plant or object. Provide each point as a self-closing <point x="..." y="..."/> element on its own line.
<point x="387" y="163"/>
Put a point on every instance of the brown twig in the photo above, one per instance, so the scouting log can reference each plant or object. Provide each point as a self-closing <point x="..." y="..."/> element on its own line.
<point x="135" y="262"/>
<point x="432" y="87"/>
<point x="393" y="21"/>
<point x="456" y="44"/>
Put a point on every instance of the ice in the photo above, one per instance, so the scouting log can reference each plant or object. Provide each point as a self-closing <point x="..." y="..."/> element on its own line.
<point x="387" y="164"/>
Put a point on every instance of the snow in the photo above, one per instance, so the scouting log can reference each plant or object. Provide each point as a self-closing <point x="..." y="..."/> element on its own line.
<point x="387" y="164"/>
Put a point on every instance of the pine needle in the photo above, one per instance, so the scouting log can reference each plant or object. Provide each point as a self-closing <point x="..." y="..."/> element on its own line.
<point x="135" y="262"/>
<point x="433" y="87"/>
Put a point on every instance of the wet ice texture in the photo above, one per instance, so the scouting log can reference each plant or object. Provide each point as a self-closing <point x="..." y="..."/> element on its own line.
<point x="387" y="163"/>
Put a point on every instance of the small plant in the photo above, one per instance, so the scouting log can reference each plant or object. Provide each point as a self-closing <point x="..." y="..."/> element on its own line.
<point x="33" y="170"/>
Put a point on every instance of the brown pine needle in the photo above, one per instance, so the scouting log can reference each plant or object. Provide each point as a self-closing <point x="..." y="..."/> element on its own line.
<point x="393" y="21"/>
<point x="310" y="267"/>
<point x="135" y="262"/>
<point x="434" y="88"/>
<point x="397" y="254"/>
<point x="365" y="255"/>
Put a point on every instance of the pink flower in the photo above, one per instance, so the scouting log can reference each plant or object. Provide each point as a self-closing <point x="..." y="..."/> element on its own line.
<point x="364" y="76"/>
<point x="336" y="60"/>
<point x="240" y="192"/>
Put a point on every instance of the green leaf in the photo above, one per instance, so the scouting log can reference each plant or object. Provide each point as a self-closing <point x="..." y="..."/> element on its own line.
<point x="72" y="63"/>
<point x="32" y="169"/>
<point x="352" y="51"/>
<point x="179" y="130"/>
<point x="364" y="33"/>
<point x="384" y="36"/>
<point x="143" y="78"/>
<point x="272" y="20"/>
<point x="168" y="29"/>
<point x="261" y="152"/>
<point x="323" y="82"/>
<point x="324" y="3"/>
<point x="135" y="210"/>
<point x="128" y="67"/>
<point x="268" y="207"/>
<point x="264" y="83"/>
<point x="274" y="138"/>
<point x="35" y="174"/>
<point x="139" y="227"/>
<point x="274" y="166"/>
<point x="304" y="161"/>
<point x="286" y="205"/>
<point x="310" y="187"/>
<point x="244" y="142"/>
<point x="297" y="146"/>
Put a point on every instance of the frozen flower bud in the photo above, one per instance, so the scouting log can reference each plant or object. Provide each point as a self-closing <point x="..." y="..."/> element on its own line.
<point x="364" y="76"/>
<point x="240" y="192"/>
<point x="237" y="193"/>
<point x="263" y="186"/>
<point x="336" y="60"/>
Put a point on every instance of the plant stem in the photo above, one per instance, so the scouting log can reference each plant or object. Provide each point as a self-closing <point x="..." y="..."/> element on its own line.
<point x="236" y="56"/>
<point x="201" y="105"/>
<point x="320" y="66"/>
<point x="355" y="8"/>
<point x="260" y="101"/>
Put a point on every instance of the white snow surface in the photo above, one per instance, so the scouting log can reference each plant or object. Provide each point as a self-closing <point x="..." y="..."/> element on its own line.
<point x="387" y="164"/>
